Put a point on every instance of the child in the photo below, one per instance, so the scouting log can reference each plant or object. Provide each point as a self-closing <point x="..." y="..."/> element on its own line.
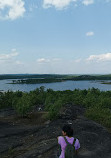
<point x="67" y="137"/>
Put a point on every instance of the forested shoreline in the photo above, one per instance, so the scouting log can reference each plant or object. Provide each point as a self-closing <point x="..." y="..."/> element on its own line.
<point x="55" y="76"/>
<point x="51" y="78"/>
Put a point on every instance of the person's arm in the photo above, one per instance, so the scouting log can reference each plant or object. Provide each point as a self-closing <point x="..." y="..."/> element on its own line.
<point x="77" y="146"/>
<point x="62" y="144"/>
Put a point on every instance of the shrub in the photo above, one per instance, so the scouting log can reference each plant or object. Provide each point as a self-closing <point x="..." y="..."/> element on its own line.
<point x="100" y="115"/>
<point x="54" y="109"/>
<point x="6" y="99"/>
<point x="105" y="102"/>
<point x="23" y="105"/>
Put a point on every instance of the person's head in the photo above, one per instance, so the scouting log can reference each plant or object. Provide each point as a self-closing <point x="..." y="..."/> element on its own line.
<point x="67" y="131"/>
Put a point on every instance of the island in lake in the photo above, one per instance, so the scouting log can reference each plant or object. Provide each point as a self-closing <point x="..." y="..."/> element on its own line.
<point x="51" y="78"/>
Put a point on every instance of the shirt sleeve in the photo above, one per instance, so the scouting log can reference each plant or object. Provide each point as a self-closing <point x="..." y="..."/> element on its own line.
<point x="77" y="144"/>
<point x="62" y="143"/>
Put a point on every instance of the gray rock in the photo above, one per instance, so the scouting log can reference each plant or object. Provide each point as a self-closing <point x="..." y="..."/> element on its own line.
<point x="23" y="140"/>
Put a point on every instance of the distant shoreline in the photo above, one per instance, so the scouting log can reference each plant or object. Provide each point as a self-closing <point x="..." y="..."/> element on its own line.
<point x="105" y="82"/>
<point x="55" y="76"/>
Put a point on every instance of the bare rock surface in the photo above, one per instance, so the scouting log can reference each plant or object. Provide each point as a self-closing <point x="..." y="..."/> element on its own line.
<point x="37" y="138"/>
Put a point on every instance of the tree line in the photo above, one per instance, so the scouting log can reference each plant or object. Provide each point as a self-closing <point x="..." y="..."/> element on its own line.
<point x="97" y="103"/>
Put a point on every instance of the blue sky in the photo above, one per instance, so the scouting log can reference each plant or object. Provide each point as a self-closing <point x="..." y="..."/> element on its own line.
<point x="55" y="36"/>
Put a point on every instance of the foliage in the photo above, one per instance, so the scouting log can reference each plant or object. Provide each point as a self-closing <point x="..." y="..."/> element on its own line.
<point x="48" y="78"/>
<point x="6" y="99"/>
<point x="38" y="96"/>
<point x="100" y="115"/>
<point x="54" y="109"/>
<point x="97" y="103"/>
<point x="23" y="105"/>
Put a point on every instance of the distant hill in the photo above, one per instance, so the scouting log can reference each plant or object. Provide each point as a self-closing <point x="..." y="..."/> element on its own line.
<point x="55" y="76"/>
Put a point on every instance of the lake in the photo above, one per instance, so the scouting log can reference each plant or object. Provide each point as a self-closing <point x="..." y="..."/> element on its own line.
<point x="67" y="85"/>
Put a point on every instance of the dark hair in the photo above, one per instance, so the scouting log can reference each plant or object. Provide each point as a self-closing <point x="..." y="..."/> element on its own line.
<point x="68" y="130"/>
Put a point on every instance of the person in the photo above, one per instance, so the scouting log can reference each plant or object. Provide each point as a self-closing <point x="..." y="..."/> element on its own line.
<point x="67" y="137"/>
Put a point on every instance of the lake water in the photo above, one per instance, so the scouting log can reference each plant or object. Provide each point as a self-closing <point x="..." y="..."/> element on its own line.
<point x="67" y="85"/>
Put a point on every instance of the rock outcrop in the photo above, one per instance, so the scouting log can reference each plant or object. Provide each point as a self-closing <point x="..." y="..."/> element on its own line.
<point x="27" y="138"/>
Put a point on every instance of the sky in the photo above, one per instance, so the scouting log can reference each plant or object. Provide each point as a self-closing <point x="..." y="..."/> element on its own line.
<point x="55" y="36"/>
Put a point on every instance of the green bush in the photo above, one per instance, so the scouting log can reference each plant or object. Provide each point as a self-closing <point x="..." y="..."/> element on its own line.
<point x="54" y="109"/>
<point x="105" y="102"/>
<point x="100" y="115"/>
<point x="6" y="99"/>
<point x="96" y="102"/>
<point x="23" y="105"/>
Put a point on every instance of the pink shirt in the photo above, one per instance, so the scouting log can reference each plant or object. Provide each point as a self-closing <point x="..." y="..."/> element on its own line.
<point x="63" y="144"/>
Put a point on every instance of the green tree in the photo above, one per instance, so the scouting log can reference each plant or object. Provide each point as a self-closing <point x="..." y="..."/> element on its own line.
<point x="23" y="105"/>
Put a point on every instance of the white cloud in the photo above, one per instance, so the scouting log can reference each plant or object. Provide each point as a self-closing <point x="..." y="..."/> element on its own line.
<point x="11" y="9"/>
<point x="90" y="33"/>
<point x="9" y="63"/>
<point x="100" y="57"/>
<point x="88" y="2"/>
<point x="9" y="56"/>
<point x="43" y="60"/>
<point x="59" y="4"/>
